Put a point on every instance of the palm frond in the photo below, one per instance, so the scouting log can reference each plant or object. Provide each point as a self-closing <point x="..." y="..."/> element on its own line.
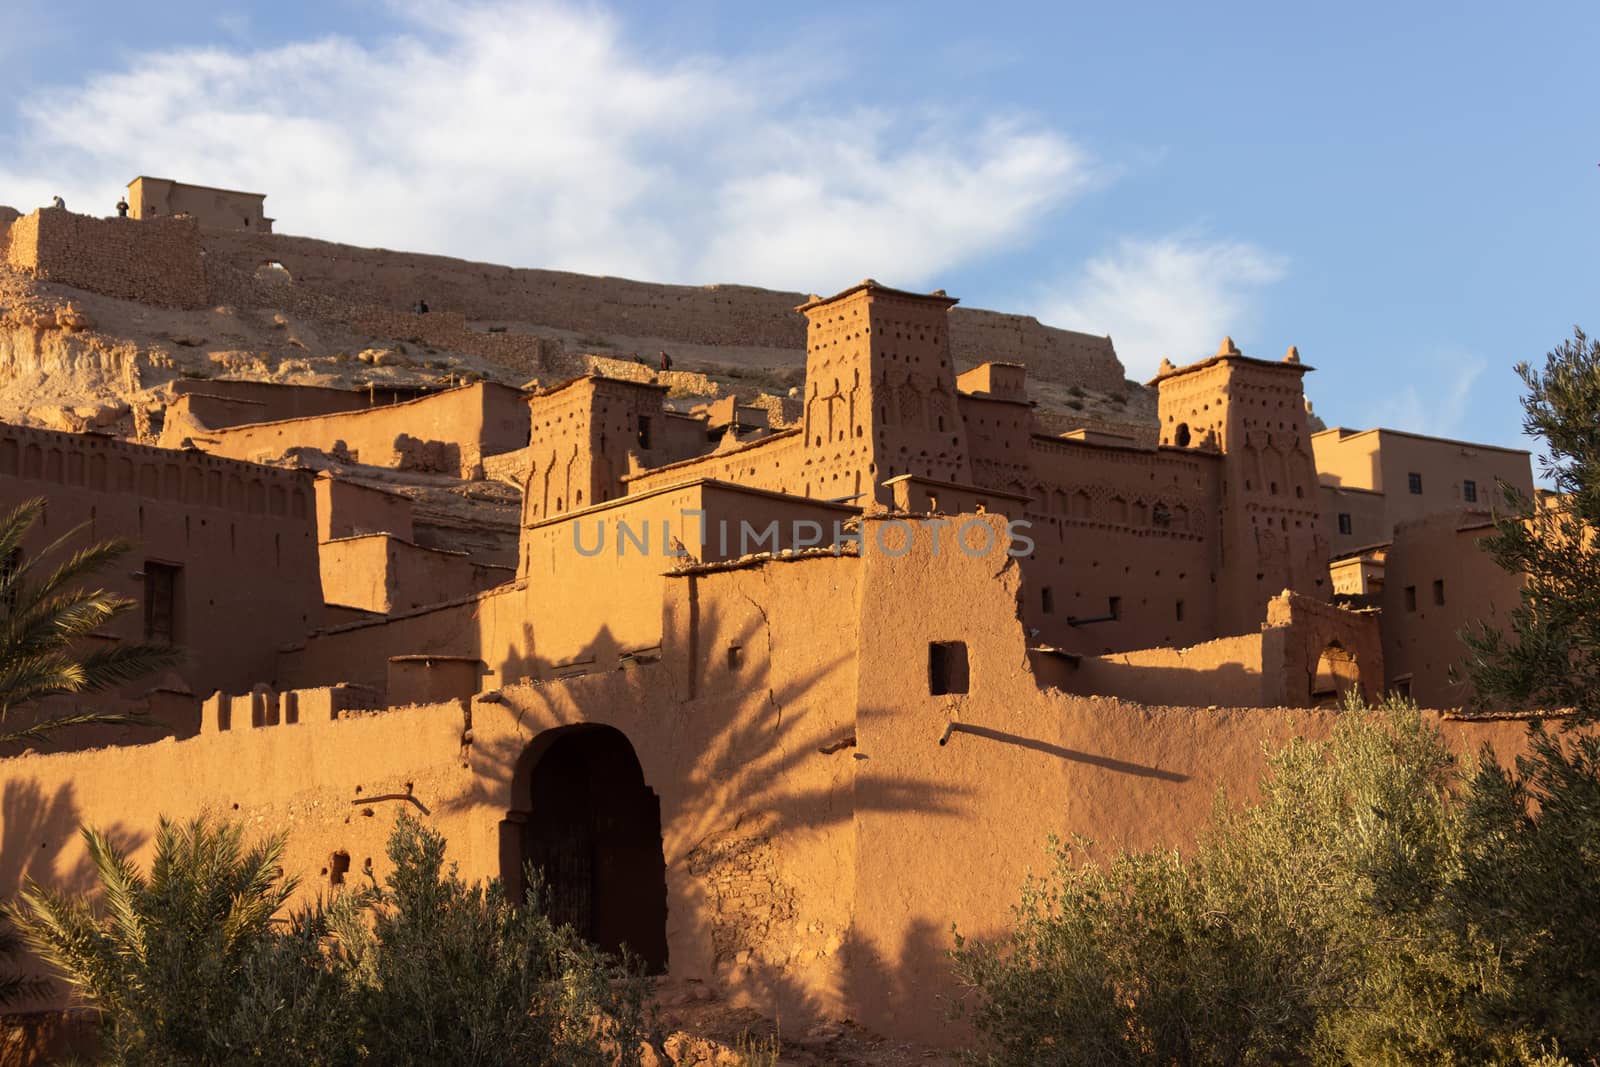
<point x="44" y="729"/>
<point x="124" y="890"/>
<point x="42" y="621"/>
<point x="108" y="667"/>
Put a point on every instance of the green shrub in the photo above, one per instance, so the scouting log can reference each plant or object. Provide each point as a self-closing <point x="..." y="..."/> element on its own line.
<point x="1375" y="905"/>
<point x="188" y="966"/>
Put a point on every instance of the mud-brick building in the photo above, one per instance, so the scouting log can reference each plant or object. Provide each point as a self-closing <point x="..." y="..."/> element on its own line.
<point x="224" y="558"/>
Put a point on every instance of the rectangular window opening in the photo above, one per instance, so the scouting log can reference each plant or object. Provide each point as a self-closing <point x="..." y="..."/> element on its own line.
<point x="1469" y="491"/>
<point x="1414" y="482"/>
<point x="1114" y="607"/>
<point x="1345" y="525"/>
<point x="1180" y="610"/>
<point x="1047" y="600"/>
<point x="1438" y="591"/>
<point x="947" y="667"/>
<point x="161" y="602"/>
<point x="1411" y="598"/>
<point x="644" y="431"/>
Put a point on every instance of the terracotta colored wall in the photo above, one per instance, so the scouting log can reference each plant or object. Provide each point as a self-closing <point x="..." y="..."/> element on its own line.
<point x="346" y="509"/>
<point x="1369" y="517"/>
<point x="774" y="463"/>
<point x="1420" y="642"/>
<point x="383" y="573"/>
<point x="448" y="432"/>
<point x="199" y="407"/>
<point x="567" y="609"/>
<point x="1381" y="460"/>
<point x="155" y="262"/>
<point x="244" y="535"/>
<point x="1097" y="517"/>
<point x="226" y="208"/>
<point x="1253" y="412"/>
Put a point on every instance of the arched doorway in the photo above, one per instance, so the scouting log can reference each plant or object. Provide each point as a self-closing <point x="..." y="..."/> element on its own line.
<point x="1337" y="673"/>
<point x="583" y="815"/>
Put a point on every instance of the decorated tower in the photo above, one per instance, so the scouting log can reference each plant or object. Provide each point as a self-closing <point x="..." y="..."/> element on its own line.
<point x="1252" y="412"/>
<point x="880" y="392"/>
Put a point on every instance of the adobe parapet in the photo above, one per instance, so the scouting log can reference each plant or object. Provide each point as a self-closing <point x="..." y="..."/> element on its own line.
<point x="106" y="464"/>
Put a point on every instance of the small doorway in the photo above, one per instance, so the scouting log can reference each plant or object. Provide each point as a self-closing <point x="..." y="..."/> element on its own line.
<point x="585" y="818"/>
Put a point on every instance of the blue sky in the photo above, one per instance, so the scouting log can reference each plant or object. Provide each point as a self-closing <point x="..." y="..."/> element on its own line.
<point x="1406" y="192"/>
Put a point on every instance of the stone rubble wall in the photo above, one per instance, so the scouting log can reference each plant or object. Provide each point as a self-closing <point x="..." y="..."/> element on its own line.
<point x="156" y="262"/>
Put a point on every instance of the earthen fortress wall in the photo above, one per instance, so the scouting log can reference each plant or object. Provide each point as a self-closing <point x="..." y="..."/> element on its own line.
<point x="728" y="315"/>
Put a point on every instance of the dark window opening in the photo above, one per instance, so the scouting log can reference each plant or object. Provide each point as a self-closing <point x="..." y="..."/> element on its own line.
<point x="1403" y="688"/>
<point x="947" y="667"/>
<point x="1438" y="591"/>
<point x="735" y="657"/>
<point x="338" y="867"/>
<point x="161" y="602"/>
<point x="1345" y="525"/>
<point x="644" y="431"/>
<point x="1180" y="436"/>
<point x="1047" y="601"/>
<point x="1469" y="491"/>
<point x="1114" y="607"/>
<point x="1180" y="611"/>
<point x="1414" y="481"/>
<point x="1411" y="598"/>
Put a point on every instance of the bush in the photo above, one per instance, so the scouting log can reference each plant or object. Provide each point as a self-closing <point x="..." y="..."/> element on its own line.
<point x="188" y="966"/>
<point x="1374" y="906"/>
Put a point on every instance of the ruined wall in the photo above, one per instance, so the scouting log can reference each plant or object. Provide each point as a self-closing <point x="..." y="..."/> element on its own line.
<point x="156" y="262"/>
<point x="448" y="432"/>
<point x="242" y="536"/>
<point x="730" y="315"/>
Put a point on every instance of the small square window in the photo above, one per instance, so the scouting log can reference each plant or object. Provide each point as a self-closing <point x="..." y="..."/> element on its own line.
<point x="1438" y="591"/>
<point x="1411" y="598"/>
<point x="947" y="667"/>
<point x="1345" y="525"/>
<point x="1469" y="491"/>
<point x="1414" y="482"/>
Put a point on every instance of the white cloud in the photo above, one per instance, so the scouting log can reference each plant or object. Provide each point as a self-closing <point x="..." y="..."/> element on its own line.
<point x="1440" y="407"/>
<point x="536" y="134"/>
<point x="1173" y="297"/>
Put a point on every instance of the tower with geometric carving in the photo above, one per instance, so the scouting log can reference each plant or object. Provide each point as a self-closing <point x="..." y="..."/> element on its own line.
<point x="1252" y="412"/>
<point x="880" y="392"/>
